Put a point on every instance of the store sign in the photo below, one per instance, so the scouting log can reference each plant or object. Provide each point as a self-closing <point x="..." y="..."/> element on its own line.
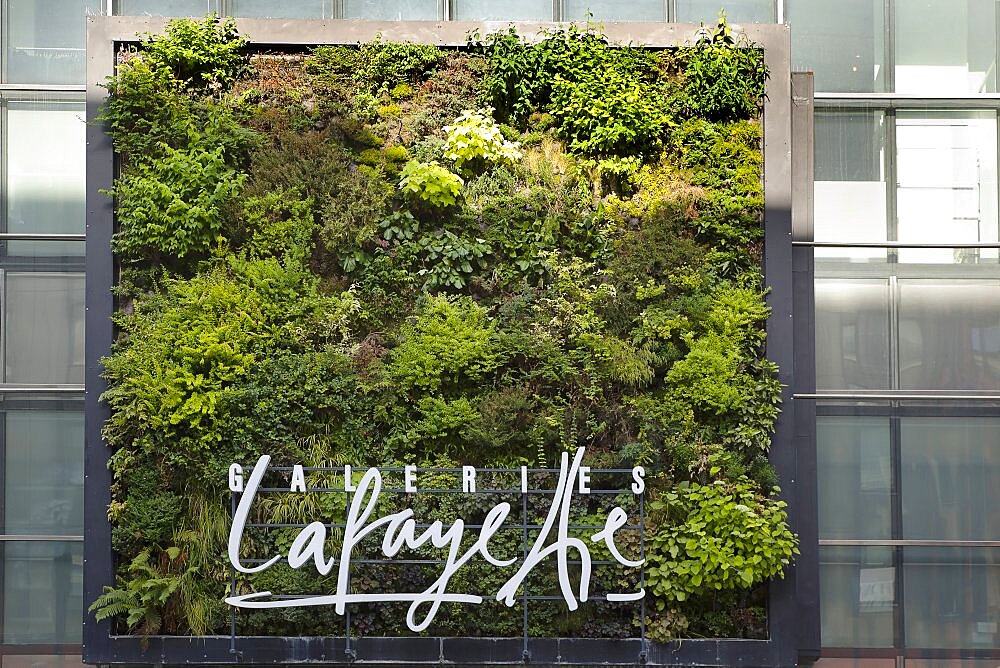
<point x="400" y="530"/>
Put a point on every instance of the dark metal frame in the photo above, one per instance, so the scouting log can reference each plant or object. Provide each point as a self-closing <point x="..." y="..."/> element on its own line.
<point x="805" y="512"/>
<point x="793" y="611"/>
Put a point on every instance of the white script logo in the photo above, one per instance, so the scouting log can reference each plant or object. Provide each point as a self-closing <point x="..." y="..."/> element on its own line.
<point x="400" y="530"/>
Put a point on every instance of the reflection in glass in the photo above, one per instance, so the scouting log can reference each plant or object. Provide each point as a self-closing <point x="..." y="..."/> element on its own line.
<point x="300" y="9"/>
<point x="737" y="11"/>
<point x="41" y="661"/>
<point x="949" y="334"/>
<point x="392" y="10"/>
<point x="842" y="42"/>
<point x="45" y="579"/>
<point x="166" y="7"/>
<point x="47" y="39"/>
<point x="950" y="478"/>
<point x="857" y="589"/>
<point x="850" y="188"/>
<point x="512" y="10"/>
<point x="43" y="314"/>
<point x="640" y="10"/>
<point x="43" y="491"/>
<point x="952" y="597"/>
<point x="947" y="175"/>
<point x="46" y="158"/>
<point x="946" y="47"/>
<point x="950" y="663"/>
<point x="852" y="334"/>
<point x="854" y="476"/>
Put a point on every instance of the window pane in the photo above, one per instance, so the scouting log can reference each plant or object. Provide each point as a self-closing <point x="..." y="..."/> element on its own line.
<point x="737" y="11"/>
<point x="43" y="315"/>
<point x="949" y="334"/>
<point x="396" y="10"/>
<point x="512" y="10"/>
<point x="946" y="46"/>
<point x="852" y="334"/>
<point x="854" y="476"/>
<point x="166" y="7"/>
<point x="850" y="190"/>
<point x="42" y="255"/>
<point x="46" y="173"/>
<point x="842" y="42"/>
<point x="857" y="588"/>
<point x="43" y="472"/>
<point x="41" y="661"/>
<point x="950" y="469"/>
<point x="45" y="580"/>
<point x="952" y="596"/>
<point x="947" y="174"/>
<point x="300" y="9"/>
<point x="640" y="10"/>
<point x="951" y="663"/>
<point x="46" y="40"/>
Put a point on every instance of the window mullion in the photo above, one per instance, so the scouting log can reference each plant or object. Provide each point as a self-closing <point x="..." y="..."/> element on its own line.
<point x="895" y="454"/>
<point x="890" y="46"/>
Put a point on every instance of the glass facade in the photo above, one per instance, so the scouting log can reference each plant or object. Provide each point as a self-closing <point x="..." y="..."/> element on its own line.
<point x="41" y="553"/>
<point x="842" y="42"/>
<point x="907" y="306"/>
<point x="641" y="10"/>
<point x="169" y="7"/>
<point x="909" y="302"/>
<point x="686" y="11"/>
<point x="737" y="11"/>
<point x="857" y="595"/>
<point x="42" y="224"/>
<point x="44" y="40"/>
<point x="945" y="47"/>
<point x="45" y="578"/>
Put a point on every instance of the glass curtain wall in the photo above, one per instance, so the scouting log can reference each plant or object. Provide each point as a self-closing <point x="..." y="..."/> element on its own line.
<point x="687" y="11"/>
<point x="907" y="328"/>
<point x="42" y="210"/>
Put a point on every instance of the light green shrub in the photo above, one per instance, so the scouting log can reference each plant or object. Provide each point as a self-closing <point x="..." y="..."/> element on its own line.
<point x="451" y="342"/>
<point x="430" y="182"/>
<point x="475" y="136"/>
<point x="172" y="208"/>
<point x="208" y="52"/>
<point x="724" y="76"/>
<point x="725" y="535"/>
<point x="145" y="109"/>
<point x="279" y="224"/>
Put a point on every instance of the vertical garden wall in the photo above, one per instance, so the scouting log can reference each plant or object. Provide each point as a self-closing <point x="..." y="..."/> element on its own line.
<point x="407" y="250"/>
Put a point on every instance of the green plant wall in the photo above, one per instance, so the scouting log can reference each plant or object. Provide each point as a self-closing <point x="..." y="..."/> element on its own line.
<point x="394" y="253"/>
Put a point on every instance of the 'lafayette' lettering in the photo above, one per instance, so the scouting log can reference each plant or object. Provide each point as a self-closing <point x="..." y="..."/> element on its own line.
<point x="401" y="531"/>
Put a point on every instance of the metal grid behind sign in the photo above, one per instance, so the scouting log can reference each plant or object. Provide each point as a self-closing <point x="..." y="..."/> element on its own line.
<point x="609" y="487"/>
<point x="793" y="618"/>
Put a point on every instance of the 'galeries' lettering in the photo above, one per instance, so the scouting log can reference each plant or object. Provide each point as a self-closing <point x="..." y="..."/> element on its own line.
<point x="400" y="530"/>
